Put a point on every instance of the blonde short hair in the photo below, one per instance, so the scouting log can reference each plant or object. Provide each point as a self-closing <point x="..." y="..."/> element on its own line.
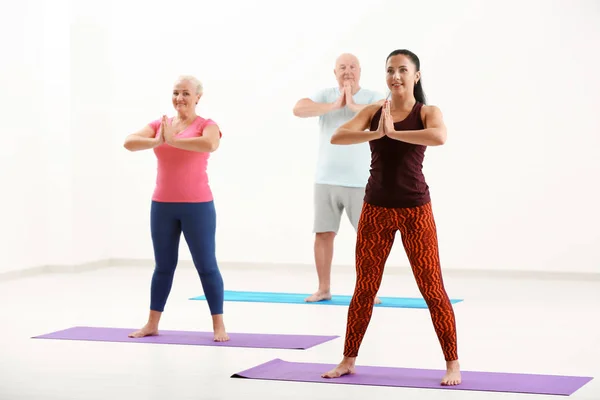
<point x="192" y="79"/>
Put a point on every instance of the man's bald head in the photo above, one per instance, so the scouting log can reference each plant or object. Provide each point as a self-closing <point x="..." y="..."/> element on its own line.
<point x="347" y="70"/>
<point x="347" y="58"/>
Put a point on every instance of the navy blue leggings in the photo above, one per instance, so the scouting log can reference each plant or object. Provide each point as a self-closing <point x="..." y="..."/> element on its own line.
<point x="198" y="223"/>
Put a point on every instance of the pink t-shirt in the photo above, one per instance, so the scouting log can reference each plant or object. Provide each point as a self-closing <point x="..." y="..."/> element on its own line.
<point x="181" y="174"/>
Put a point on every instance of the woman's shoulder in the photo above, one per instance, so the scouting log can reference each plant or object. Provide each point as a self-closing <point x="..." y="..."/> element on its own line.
<point x="429" y="110"/>
<point x="374" y="108"/>
<point x="204" y="120"/>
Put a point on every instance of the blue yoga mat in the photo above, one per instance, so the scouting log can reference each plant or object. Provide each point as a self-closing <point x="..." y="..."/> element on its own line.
<point x="336" y="300"/>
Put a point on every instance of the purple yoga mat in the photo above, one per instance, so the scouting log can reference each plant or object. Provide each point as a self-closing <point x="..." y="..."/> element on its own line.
<point x="280" y="370"/>
<point x="263" y="341"/>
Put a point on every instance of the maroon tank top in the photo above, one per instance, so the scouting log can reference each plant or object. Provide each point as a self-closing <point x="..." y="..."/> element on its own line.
<point x="397" y="179"/>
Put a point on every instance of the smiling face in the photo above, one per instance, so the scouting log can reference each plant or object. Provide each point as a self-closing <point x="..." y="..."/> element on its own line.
<point x="347" y="70"/>
<point x="401" y="74"/>
<point x="185" y="96"/>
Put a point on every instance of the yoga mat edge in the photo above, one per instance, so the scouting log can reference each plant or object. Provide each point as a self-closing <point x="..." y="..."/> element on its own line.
<point x="337" y="300"/>
<point x="248" y="340"/>
<point x="281" y="370"/>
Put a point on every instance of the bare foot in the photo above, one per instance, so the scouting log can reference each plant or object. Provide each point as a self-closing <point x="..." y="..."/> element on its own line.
<point x="377" y="300"/>
<point x="318" y="296"/>
<point x="344" y="368"/>
<point x="220" y="335"/>
<point x="452" y="376"/>
<point x="147" y="330"/>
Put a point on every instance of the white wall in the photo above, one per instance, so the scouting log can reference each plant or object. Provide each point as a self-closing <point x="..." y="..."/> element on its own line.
<point x="91" y="129"/>
<point x="514" y="187"/>
<point x="56" y="162"/>
<point x="35" y="206"/>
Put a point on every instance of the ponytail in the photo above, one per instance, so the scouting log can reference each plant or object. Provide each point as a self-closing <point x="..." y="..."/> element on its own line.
<point x="419" y="93"/>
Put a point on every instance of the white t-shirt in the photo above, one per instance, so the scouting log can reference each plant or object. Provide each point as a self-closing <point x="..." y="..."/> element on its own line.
<point x="342" y="165"/>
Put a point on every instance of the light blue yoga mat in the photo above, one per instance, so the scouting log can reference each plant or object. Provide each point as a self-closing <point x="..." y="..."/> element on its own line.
<point x="336" y="300"/>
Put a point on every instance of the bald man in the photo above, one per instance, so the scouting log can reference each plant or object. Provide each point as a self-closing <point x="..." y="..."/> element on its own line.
<point x="342" y="171"/>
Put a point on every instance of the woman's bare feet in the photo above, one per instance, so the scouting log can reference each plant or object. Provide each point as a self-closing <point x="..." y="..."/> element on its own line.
<point x="220" y="335"/>
<point x="452" y="376"/>
<point x="151" y="327"/>
<point x="318" y="296"/>
<point x="344" y="368"/>
<point x="147" y="330"/>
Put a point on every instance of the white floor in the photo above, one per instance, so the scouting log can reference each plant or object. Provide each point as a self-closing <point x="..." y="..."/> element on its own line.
<point x="506" y="325"/>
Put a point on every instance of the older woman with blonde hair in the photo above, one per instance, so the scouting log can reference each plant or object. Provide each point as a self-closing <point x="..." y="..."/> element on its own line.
<point x="182" y="201"/>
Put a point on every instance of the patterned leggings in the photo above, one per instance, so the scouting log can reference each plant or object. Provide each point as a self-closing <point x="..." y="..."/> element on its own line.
<point x="376" y="231"/>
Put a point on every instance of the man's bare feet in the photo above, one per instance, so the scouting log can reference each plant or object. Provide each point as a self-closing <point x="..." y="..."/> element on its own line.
<point x="220" y="335"/>
<point x="452" y="376"/>
<point x="147" y="330"/>
<point x="346" y="367"/>
<point x="321" y="296"/>
<point x="318" y="296"/>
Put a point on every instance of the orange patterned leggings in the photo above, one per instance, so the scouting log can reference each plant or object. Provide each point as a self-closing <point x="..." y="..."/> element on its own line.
<point x="376" y="231"/>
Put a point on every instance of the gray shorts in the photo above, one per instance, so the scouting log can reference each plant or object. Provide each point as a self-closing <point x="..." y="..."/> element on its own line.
<point x="330" y="203"/>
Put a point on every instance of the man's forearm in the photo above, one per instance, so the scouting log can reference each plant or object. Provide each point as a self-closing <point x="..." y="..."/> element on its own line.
<point x="356" y="107"/>
<point x="312" y="109"/>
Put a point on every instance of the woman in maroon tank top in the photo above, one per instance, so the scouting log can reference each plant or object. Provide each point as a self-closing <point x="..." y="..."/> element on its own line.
<point x="397" y="199"/>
